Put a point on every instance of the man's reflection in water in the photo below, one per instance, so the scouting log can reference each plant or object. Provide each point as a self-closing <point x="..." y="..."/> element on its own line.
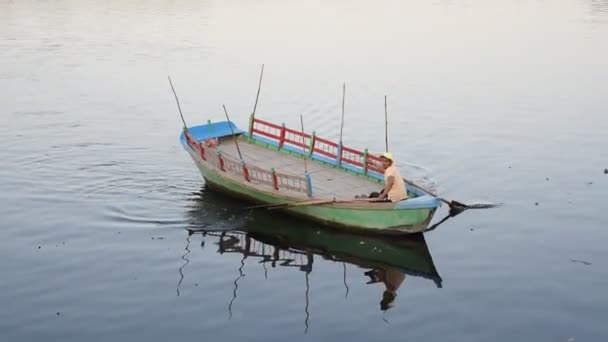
<point x="392" y="279"/>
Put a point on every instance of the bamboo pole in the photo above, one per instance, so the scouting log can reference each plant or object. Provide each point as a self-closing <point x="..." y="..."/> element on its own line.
<point x="303" y="144"/>
<point x="178" y="106"/>
<point x="232" y="130"/>
<point x="342" y="121"/>
<point x="385" y="123"/>
<point x="258" y="94"/>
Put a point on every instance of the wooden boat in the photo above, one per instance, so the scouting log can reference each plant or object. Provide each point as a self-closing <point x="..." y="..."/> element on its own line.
<point x="271" y="172"/>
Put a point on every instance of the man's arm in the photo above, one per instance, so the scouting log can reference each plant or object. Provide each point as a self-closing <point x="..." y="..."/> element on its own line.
<point x="390" y="180"/>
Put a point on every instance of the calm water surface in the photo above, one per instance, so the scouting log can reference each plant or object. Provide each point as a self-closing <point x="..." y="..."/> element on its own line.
<point x="108" y="233"/>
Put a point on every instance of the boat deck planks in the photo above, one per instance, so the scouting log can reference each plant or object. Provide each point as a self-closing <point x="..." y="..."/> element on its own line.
<point x="327" y="181"/>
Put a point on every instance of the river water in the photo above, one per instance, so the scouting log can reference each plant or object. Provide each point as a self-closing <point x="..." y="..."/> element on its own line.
<point x="108" y="233"/>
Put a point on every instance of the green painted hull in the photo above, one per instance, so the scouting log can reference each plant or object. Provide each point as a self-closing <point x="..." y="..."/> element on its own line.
<point x="381" y="220"/>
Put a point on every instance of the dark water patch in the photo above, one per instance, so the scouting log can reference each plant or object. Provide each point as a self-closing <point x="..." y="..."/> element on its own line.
<point x="39" y="113"/>
<point x="586" y="263"/>
<point x="100" y="165"/>
<point x="90" y="144"/>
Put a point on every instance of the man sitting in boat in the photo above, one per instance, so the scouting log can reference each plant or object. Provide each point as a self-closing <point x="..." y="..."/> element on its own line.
<point x="394" y="186"/>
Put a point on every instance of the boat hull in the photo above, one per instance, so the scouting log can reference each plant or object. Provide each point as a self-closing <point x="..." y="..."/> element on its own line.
<point x="375" y="219"/>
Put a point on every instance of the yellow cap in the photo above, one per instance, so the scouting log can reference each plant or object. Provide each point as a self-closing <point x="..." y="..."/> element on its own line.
<point x="387" y="155"/>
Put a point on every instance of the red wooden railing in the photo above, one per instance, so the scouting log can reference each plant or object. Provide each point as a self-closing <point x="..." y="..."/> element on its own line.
<point x="267" y="129"/>
<point x="352" y="156"/>
<point x="195" y="145"/>
<point x="323" y="147"/>
<point x="259" y="175"/>
<point x="293" y="183"/>
<point x="283" y="135"/>
<point x="231" y="165"/>
<point x="297" y="138"/>
<point x="251" y="173"/>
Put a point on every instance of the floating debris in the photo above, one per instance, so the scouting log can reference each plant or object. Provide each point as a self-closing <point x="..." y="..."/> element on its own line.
<point x="586" y="263"/>
<point x="547" y="179"/>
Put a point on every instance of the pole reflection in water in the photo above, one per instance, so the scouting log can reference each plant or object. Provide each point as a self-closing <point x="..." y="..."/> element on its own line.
<point x="286" y="243"/>
<point x="308" y="270"/>
<point x="236" y="286"/>
<point x="186" y="262"/>
<point x="344" y="279"/>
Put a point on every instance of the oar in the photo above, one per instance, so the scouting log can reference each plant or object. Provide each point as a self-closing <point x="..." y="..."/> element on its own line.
<point x="296" y="204"/>
<point x="447" y="217"/>
<point x="455" y="206"/>
<point x="321" y="202"/>
<point x="314" y="202"/>
<point x="279" y="205"/>
<point x="302" y="204"/>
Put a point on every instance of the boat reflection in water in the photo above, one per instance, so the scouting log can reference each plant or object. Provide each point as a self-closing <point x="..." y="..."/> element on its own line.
<point x="277" y="241"/>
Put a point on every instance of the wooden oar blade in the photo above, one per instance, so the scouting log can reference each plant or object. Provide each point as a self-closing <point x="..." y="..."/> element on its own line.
<point x="458" y="204"/>
<point x="473" y="206"/>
